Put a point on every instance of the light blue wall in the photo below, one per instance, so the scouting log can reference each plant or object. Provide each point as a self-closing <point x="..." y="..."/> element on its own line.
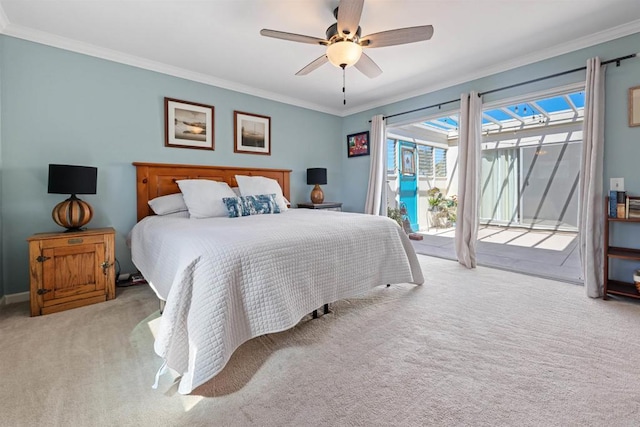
<point x="63" y="107"/>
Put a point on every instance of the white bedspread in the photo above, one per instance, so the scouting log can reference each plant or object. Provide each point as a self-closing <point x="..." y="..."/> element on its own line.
<point x="227" y="280"/>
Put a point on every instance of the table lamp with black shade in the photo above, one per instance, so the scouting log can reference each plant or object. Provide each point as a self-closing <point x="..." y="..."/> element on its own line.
<point x="72" y="213"/>
<point x="317" y="177"/>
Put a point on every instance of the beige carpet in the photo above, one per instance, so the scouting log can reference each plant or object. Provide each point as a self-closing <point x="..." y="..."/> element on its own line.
<point x="471" y="347"/>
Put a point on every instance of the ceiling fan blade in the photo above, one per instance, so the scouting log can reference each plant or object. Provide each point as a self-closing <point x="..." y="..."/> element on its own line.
<point x="293" y="37"/>
<point x="349" y="12"/>
<point x="313" y="65"/>
<point x="367" y="67"/>
<point x="399" y="36"/>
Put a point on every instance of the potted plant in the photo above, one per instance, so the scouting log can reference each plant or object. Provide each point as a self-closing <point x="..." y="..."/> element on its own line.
<point x="434" y="199"/>
<point x="442" y="211"/>
<point x="395" y="214"/>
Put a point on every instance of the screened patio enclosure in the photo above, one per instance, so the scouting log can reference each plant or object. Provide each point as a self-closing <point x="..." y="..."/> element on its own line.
<point x="532" y="182"/>
<point x="530" y="163"/>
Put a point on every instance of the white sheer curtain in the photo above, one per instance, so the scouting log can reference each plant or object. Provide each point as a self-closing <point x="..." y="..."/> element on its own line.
<point x="376" y="203"/>
<point x="590" y="198"/>
<point x="469" y="140"/>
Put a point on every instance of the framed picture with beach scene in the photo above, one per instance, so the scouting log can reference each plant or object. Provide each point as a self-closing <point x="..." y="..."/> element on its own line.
<point x="252" y="133"/>
<point x="188" y="124"/>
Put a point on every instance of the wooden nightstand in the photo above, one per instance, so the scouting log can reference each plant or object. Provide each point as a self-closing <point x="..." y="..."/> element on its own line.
<point x="330" y="206"/>
<point x="71" y="269"/>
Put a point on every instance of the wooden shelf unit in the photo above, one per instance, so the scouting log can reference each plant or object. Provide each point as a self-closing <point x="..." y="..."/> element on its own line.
<point x="617" y="287"/>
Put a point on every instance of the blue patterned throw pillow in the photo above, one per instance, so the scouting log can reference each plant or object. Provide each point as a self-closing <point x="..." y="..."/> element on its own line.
<point x="251" y="205"/>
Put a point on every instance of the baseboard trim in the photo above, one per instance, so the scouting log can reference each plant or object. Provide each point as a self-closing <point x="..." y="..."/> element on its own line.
<point x="14" y="298"/>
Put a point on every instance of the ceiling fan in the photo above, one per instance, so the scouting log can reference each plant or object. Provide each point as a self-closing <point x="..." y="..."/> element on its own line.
<point x="344" y="42"/>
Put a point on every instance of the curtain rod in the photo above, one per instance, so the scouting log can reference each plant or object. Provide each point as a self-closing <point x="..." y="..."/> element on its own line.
<point x="440" y="104"/>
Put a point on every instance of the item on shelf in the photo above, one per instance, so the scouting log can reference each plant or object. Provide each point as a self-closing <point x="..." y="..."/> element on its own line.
<point x="634" y="208"/>
<point x="636" y="279"/>
<point x="621" y="197"/>
<point x="613" y="200"/>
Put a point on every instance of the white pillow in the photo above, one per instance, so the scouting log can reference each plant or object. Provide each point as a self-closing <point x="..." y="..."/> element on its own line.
<point x="168" y="204"/>
<point x="181" y="214"/>
<point x="256" y="185"/>
<point x="203" y="197"/>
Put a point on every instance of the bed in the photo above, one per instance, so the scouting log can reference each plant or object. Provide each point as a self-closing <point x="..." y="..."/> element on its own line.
<point x="227" y="280"/>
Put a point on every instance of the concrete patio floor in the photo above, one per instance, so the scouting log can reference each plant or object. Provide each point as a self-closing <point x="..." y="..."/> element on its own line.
<point x="549" y="254"/>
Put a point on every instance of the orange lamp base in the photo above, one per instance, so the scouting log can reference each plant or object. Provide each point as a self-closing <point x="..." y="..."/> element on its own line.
<point x="317" y="196"/>
<point x="72" y="214"/>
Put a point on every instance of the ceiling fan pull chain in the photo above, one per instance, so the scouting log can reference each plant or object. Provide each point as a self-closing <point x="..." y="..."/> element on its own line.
<point x="344" y="94"/>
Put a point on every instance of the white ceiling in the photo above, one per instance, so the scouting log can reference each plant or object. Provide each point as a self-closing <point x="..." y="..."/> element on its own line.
<point x="218" y="41"/>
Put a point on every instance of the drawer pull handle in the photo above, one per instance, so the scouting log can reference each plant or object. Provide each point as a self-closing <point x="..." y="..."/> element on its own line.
<point x="42" y="258"/>
<point x="74" y="241"/>
<point x="43" y="291"/>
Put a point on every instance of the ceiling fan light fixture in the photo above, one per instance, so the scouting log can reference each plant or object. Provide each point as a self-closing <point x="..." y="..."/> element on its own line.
<point x="344" y="53"/>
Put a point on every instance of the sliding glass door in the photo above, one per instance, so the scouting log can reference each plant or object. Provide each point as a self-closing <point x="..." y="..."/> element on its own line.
<point x="550" y="175"/>
<point x="500" y="183"/>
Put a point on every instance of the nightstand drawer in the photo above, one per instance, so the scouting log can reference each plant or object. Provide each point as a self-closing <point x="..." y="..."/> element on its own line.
<point x="69" y="241"/>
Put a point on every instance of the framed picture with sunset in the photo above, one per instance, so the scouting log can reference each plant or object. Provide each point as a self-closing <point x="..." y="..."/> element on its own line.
<point x="188" y="124"/>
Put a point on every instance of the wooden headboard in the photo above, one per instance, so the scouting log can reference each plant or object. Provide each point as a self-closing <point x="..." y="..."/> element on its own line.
<point x="159" y="179"/>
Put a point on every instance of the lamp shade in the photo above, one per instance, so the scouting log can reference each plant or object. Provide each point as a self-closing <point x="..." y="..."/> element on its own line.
<point x="70" y="179"/>
<point x="316" y="176"/>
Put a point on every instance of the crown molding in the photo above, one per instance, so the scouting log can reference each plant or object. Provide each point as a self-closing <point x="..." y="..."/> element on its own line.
<point x="111" y="55"/>
<point x="135" y="61"/>
<point x="557" y="50"/>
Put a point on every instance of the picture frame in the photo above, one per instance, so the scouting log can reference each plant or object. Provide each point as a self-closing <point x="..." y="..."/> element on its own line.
<point x="358" y="144"/>
<point x="634" y="106"/>
<point x="188" y="124"/>
<point x="408" y="157"/>
<point x="252" y="133"/>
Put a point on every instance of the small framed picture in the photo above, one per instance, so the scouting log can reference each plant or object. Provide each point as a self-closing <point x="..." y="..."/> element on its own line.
<point x="408" y="161"/>
<point x="358" y="144"/>
<point x="188" y="125"/>
<point x="252" y="133"/>
<point x="634" y="106"/>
